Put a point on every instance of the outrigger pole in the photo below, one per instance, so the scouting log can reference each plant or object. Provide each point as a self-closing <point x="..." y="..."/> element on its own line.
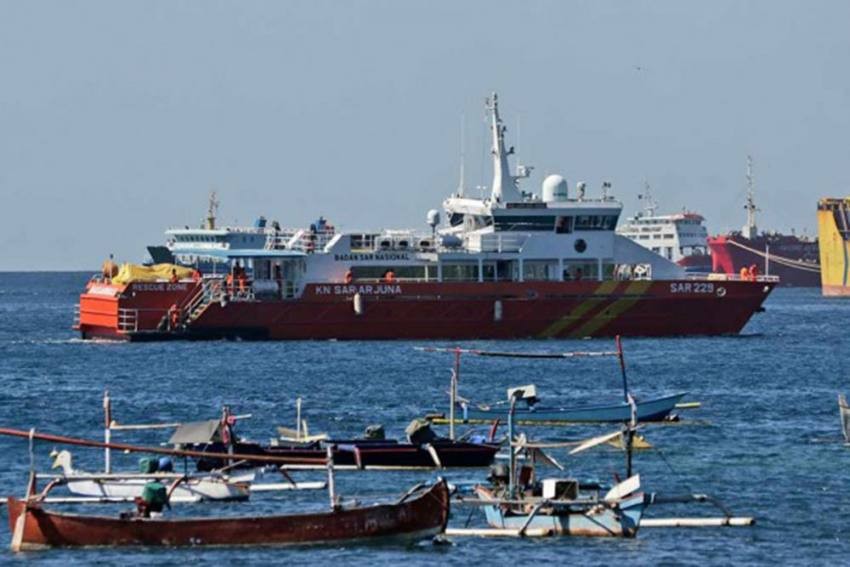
<point x="158" y="450"/>
<point x="622" y="368"/>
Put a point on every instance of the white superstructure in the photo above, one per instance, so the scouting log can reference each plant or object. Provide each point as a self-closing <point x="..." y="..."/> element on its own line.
<point x="557" y="234"/>
<point x="679" y="237"/>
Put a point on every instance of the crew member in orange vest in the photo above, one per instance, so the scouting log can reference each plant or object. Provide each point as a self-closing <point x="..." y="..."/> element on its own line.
<point x="174" y="316"/>
<point x="754" y="272"/>
<point x="745" y="273"/>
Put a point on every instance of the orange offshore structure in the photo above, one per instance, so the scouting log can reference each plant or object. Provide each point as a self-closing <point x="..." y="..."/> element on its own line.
<point x="834" y="237"/>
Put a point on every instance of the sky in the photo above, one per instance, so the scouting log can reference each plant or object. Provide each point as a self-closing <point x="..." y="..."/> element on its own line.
<point x="118" y="118"/>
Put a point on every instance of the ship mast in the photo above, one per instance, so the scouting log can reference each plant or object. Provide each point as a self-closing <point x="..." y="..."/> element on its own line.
<point x="462" y="182"/>
<point x="211" y="211"/>
<point x="649" y="204"/>
<point x="750" y="230"/>
<point x="504" y="186"/>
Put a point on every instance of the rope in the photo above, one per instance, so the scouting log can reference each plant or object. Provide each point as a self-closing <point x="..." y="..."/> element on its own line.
<point x="799" y="264"/>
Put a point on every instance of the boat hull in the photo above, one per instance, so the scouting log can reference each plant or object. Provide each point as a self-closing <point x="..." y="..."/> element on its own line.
<point x="793" y="260"/>
<point x="650" y="410"/>
<point x="372" y="454"/>
<point x="598" y="520"/>
<point x="420" y="516"/>
<point x="422" y="310"/>
<point x="192" y="490"/>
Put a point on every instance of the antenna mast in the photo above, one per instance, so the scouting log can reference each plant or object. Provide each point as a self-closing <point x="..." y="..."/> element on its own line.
<point x="649" y="205"/>
<point x="461" y="184"/>
<point x="750" y="230"/>
<point x="212" y="211"/>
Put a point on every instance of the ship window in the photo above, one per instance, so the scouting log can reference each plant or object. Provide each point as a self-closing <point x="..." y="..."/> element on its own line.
<point x="596" y="222"/>
<point x="456" y="219"/>
<point x="460" y="272"/>
<point x="564" y="225"/>
<point x="540" y="270"/>
<point x="374" y="273"/>
<point x="577" y="271"/>
<point x="669" y="236"/>
<point x="525" y="223"/>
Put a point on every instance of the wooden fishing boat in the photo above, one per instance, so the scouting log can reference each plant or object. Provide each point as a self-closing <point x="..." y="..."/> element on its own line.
<point x="385" y="454"/>
<point x="580" y="514"/>
<point x="195" y="488"/>
<point x="421" y="513"/>
<point x="532" y="413"/>
<point x="656" y="409"/>
<point x="516" y="501"/>
<point x="424" y="450"/>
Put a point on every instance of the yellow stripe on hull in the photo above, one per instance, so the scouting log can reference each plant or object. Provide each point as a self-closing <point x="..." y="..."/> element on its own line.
<point x="633" y="294"/>
<point x="575" y="316"/>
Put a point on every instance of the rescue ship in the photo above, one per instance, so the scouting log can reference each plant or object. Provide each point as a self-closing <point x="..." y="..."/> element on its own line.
<point x="511" y="265"/>
<point x="794" y="259"/>
<point x="834" y="240"/>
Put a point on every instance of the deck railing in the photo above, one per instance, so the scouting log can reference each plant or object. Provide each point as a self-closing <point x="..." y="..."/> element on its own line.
<point x="128" y="320"/>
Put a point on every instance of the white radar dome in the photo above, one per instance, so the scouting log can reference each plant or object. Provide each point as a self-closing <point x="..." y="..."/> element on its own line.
<point x="554" y="188"/>
<point x="433" y="218"/>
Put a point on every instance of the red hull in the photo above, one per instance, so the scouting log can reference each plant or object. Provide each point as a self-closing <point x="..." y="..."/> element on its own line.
<point x="795" y="261"/>
<point x="490" y="310"/>
<point x="419" y="516"/>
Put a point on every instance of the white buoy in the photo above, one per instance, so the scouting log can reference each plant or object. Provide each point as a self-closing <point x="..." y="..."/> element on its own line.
<point x="359" y="306"/>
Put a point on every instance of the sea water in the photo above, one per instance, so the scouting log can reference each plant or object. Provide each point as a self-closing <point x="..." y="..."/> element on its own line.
<point x="766" y="440"/>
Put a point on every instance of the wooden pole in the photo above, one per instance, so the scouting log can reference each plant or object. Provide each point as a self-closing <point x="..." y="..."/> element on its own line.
<point x="62" y="440"/>
<point x="453" y="394"/>
<point x="622" y="367"/>
<point x="298" y="418"/>
<point x="331" y="485"/>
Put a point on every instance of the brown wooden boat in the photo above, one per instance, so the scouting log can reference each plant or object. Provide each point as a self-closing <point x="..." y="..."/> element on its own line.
<point x="422" y="512"/>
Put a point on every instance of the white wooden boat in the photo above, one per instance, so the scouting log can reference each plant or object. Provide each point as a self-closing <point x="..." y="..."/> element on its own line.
<point x="129" y="486"/>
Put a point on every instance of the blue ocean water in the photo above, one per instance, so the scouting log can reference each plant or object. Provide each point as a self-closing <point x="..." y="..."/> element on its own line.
<point x="766" y="440"/>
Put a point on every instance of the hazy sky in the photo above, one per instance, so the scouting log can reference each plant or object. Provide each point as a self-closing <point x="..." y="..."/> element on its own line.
<point x="117" y="118"/>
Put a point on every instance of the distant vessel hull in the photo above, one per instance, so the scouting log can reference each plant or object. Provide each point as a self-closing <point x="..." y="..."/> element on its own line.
<point x="422" y="310"/>
<point x="834" y="232"/>
<point x="794" y="260"/>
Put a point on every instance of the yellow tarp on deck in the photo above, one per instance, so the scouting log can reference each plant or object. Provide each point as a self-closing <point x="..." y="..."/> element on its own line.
<point x="158" y="272"/>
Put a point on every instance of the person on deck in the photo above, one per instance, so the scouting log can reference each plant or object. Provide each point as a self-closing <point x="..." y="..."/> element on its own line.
<point x="754" y="272"/>
<point x="174" y="278"/>
<point x="745" y="273"/>
<point x="389" y="276"/>
<point x="349" y="277"/>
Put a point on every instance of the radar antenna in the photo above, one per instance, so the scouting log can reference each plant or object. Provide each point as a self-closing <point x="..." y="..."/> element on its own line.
<point x="750" y="231"/>
<point x="212" y="210"/>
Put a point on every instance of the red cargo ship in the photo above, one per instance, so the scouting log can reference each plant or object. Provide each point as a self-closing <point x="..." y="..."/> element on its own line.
<point x="793" y="259"/>
<point x="513" y="265"/>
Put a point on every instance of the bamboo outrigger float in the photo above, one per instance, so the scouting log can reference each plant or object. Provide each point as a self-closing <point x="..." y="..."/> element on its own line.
<point x="421" y="512"/>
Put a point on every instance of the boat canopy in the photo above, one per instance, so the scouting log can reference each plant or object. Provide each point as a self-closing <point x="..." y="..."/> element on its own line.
<point x="195" y="432"/>
<point x="137" y="273"/>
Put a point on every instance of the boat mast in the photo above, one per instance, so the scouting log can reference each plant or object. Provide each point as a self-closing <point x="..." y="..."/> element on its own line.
<point x="750" y="230"/>
<point x="504" y="186"/>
